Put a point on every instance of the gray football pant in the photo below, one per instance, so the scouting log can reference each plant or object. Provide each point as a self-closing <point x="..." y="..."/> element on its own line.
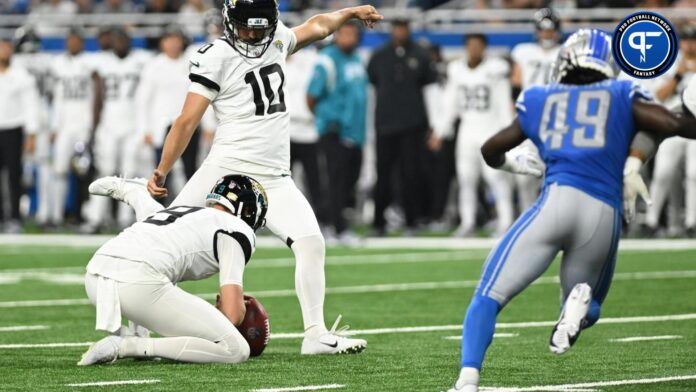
<point x="566" y="219"/>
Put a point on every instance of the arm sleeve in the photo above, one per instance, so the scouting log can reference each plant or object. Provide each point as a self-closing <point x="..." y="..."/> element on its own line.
<point x="205" y="73"/>
<point x="521" y="107"/>
<point x="231" y="258"/>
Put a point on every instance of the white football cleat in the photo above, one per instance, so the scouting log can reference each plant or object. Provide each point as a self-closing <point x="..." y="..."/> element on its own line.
<point x="567" y="330"/>
<point x="116" y="187"/>
<point x="103" y="351"/>
<point x="332" y="342"/>
<point x="467" y="382"/>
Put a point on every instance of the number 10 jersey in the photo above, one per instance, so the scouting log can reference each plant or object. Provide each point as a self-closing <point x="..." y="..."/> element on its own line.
<point x="249" y="102"/>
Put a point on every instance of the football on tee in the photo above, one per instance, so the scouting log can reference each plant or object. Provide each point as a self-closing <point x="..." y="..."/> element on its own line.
<point x="255" y="327"/>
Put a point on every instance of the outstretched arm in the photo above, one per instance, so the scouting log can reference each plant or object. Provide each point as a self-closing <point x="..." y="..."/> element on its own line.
<point x="659" y="120"/>
<point x="321" y="26"/>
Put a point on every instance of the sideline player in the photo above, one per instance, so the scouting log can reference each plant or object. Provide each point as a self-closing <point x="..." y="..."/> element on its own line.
<point x="532" y="66"/>
<point x="71" y="122"/>
<point x="134" y="274"/>
<point x="242" y="75"/>
<point x="478" y="92"/>
<point x="579" y="210"/>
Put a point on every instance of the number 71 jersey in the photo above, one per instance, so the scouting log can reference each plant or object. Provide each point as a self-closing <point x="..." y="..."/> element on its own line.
<point x="583" y="133"/>
<point x="249" y="103"/>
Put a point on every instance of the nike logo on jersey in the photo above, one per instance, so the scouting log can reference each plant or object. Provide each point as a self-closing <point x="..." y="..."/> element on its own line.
<point x="196" y="64"/>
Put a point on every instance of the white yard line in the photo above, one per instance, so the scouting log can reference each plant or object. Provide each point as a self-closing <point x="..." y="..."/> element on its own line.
<point x="430" y="328"/>
<point x="110" y="383"/>
<point x="580" y="386"/>
<point x="91" y="241"/>
<point x="46" y="345"/>
<point x="302" y="388"/>
<point x="645" y="338"/>
<point x="16" y="328"/>
<point x="375" y="288"/>
<point x="495" y="335"/>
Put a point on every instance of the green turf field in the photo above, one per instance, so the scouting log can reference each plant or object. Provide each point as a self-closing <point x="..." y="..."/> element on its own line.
<point x="372" y="288"/>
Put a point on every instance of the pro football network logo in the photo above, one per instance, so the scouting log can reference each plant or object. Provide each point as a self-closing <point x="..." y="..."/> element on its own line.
<point x="645" y="45"/>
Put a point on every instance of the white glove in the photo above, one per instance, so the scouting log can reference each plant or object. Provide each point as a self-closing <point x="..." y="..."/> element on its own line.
<point x="522" y="161"/>
<point x="633" y="186"/>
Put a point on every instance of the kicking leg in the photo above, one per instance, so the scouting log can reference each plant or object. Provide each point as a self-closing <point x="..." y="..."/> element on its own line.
<point x="131" y="191"/>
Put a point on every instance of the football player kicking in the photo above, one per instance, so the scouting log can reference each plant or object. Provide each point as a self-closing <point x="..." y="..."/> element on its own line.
<point x="583" y="125"/>
<point x="242" y="75"/>
<point x="134" y="275"/>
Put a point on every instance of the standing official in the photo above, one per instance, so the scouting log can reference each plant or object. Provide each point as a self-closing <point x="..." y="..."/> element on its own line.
<point x="19" y="105"/>
<point x="400" y="70"/>
<point x="337" y="95"/>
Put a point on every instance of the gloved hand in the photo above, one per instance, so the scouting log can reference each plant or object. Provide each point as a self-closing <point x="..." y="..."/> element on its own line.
<point x="633" y="186"/>
<point x="522" y="161"/>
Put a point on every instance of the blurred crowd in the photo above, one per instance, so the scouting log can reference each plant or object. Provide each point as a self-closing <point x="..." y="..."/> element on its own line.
<point x="386" y="140"/>
<point x="189" y="7"/>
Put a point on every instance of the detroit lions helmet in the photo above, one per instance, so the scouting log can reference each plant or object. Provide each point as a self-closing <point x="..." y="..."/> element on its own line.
<point x="585" y="57"/>
<point x="250" y="25"/>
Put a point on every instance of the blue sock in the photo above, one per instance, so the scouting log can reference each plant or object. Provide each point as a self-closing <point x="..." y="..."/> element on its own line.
<point x="479" y="326"/>
<point x="592" y="314"/>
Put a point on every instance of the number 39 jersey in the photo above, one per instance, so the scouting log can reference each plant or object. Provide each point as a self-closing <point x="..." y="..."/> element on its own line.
<point x="479" y="96"/>
<point x="583" y="133"/>
<point x="182" y="243"/>
<point x="249" y="103"/>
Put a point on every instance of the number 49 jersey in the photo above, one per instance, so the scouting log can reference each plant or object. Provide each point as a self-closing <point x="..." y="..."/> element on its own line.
<point x="182" y="243"/>
<point x="249" y="103"/>
<point x="583" y="133"/>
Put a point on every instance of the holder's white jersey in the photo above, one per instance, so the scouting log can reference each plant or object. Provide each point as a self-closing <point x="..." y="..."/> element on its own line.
<point x="249" y="102"/>
<point x="480" y="97"/>
<point x="120" y="78"/>
<point x="535" y="62"/>
<point x="73" y="93"/>
<point x="182" y="243"/>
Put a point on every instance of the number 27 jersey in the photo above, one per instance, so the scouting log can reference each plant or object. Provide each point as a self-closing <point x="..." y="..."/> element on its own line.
<point x="249" y="103"/>
<point x="583" y="133"/>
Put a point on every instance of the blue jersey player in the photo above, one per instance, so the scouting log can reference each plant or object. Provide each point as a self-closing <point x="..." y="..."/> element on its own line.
<point x="583" y="125"/>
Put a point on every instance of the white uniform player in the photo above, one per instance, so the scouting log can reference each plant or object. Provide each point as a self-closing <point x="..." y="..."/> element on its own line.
<point x="71" y="122"/>
<point x="135" y="274"/>
<point x="481" y="98"/>
<point x="117" y="145"/>
<point x="242" y="76"/>
<point x="30" y="57"/>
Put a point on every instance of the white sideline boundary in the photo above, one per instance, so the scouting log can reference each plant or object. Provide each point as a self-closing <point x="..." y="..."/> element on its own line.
<point x="584" y="386"/>
<point x="301" y="388"/>
<point x="645" y="338"/>
<point x="431" y="328"/>
<point x="15" y="328"/>
<point x="374" y="288"/>
<point x="110" y="383"/>
<point x="72" y="240"/>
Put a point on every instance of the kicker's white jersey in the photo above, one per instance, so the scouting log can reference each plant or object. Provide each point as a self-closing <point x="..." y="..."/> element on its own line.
<point x="480" y="97"/>
<point x="249" y="102"/>
<point x="535" y="62"/>
<point x="179" y="242"/>
<point x="73" y="94"/>
<point x="120" y="78"/>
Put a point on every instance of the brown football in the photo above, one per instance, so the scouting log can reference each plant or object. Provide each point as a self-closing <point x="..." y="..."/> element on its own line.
<point x="255" y="327"/>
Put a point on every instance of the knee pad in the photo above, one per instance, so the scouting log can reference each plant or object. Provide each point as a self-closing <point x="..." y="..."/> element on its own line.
<point x="236" y="346"/>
